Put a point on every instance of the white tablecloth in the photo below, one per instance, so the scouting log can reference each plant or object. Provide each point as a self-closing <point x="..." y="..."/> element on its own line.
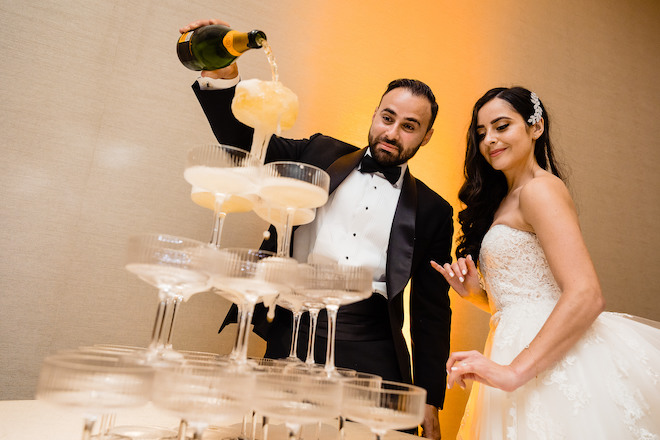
<point x="38" y="420"/>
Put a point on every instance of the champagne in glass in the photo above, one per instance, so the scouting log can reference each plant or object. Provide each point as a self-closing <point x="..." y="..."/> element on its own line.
<point x="224" y="171"/>
<point x="234" y="203"/>
<point x="290" y="187"/>
<point x="267" y="106"/>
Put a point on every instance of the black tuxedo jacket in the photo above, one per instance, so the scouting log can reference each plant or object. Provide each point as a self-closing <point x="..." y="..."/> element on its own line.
<point x="422" y="231"/>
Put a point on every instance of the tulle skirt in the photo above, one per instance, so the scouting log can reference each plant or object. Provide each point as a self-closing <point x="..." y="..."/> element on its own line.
<point x="606" y="387"/>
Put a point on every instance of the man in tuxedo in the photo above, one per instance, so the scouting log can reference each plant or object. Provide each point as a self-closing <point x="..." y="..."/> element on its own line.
<point x="377" y="215"/>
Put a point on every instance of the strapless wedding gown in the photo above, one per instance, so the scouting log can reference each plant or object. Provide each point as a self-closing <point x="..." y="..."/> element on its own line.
<point x="606" y="387"/>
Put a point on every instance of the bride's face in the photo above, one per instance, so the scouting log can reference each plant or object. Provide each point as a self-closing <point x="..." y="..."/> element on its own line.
<point x="505" y="139"/>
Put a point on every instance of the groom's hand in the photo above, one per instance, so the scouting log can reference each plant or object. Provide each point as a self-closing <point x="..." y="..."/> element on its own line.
<point x="431" y="423"/>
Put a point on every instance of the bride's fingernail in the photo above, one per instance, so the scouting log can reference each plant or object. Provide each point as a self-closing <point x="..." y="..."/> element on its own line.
<point x="461" y="279"/>
<point x="464" y="272"/>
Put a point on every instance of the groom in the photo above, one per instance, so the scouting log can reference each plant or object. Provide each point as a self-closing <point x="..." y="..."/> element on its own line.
<point x="377" y="215"/>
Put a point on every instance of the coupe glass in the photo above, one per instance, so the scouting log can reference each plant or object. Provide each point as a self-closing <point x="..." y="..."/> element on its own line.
<point x="177" y="267"/>
<point x="292" y="187"/>
<point x="93" y="384"/>
<point x="356" y="378"/>
<point x="335" y="285"/>
<point x="297" y="398"/>
<point x="105" y="428"/>
<point x="384" y="407"/>
<point x="247" y="277"/>
<point x="293" y="301"/>
<point x="223" y="171"/>
<point x="278" y="216"/>
<point x="266" y="106"/>
<point x="203" y="393"/>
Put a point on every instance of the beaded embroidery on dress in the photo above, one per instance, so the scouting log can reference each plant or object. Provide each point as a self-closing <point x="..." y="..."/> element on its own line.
<point x="606" y="387"/>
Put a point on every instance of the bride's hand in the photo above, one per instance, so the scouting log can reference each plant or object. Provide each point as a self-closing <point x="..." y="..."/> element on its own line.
<point x="472" y="365"/>
<point x="462" y="276"/>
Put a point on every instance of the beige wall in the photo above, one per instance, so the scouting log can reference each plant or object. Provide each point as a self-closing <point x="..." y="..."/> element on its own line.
<point x="97" y="115"/>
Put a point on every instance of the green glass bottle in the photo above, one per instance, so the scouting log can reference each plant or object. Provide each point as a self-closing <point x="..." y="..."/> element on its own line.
<point x="215" y="46"/>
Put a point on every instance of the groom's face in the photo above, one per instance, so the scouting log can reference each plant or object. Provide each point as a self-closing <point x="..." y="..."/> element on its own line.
<point x="399" y="127"/>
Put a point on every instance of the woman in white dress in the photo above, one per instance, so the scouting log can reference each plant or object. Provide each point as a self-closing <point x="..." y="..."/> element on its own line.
<point x="555" y="366"/>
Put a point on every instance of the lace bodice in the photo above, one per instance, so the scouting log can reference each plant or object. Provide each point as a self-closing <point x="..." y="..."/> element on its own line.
<point x="606" y="386"/>
<point x="515" y="269"/>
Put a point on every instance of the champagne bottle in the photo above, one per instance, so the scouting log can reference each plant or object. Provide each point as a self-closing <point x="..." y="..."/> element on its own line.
<point x="215" y="46"/>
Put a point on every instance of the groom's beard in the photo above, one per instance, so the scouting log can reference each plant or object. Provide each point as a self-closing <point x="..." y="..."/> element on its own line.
<point x="388" y="158"/>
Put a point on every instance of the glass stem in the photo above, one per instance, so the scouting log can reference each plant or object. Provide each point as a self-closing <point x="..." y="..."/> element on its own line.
<point x="286" y="244"/>
<point x="183" y="425"/>
<point x="293" y="351"/>
<point x="280" y="230"/>
<point x="237" y="342"/>
<point x="294" y="430"/>
<point x="218" y="218"/>
<point x="159" y="336"/>
<point x="87" y="428"/>
<point x="253" y="434"/>
<point x="105" y="424"/>
<point x="258" y="145"/>
<point x="332" y="330"/>
<point x="243" y="435"/>
<point x="175" y="306"/>
<point x="311" y="337"/>
<point x="158" y="323"/>
<point x="264" y="427"/>
<point x="246" y="319"/>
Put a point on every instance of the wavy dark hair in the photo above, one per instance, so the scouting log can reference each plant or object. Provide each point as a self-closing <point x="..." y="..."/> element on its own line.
<point x="416" y="88"/>
<point x="484" y="187"/>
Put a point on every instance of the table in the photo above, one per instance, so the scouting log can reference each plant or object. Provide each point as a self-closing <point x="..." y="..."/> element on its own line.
<point x="35" y="419"/>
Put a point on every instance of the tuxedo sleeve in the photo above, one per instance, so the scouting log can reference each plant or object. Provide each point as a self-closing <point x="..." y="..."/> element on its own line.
<point x="430" y="313"/>
<point x="216" y="105"/>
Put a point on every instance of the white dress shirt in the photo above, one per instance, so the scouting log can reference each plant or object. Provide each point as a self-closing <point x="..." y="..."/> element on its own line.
<point x="354" y="226"/>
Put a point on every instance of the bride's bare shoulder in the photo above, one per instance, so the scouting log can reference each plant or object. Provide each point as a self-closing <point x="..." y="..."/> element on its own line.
<point x="544" y="185"/>
<point x="546" y="196"/>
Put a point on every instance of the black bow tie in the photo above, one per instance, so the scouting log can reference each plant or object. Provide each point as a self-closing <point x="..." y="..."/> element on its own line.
<point x="369" y="165"/>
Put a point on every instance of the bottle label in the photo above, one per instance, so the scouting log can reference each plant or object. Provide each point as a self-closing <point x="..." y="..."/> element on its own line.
<point x="186" y="37"/>
<point x="228" y="42"/>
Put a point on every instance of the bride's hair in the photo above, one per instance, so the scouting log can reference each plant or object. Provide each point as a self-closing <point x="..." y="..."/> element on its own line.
<point x="484" y="187"/>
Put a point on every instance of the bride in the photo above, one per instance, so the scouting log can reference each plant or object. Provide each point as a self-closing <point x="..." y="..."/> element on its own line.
<point x="555" y="366"/>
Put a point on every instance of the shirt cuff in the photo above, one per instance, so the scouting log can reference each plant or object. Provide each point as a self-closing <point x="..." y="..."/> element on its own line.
<point x="206" y="83"/>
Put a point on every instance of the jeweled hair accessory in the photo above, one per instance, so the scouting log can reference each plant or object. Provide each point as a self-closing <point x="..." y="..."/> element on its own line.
<point x="538" y="111"/>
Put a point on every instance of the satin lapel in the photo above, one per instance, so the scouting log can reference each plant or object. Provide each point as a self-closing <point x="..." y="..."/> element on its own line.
<point x="402" y="238"/>
<point x="343" y="166"/>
